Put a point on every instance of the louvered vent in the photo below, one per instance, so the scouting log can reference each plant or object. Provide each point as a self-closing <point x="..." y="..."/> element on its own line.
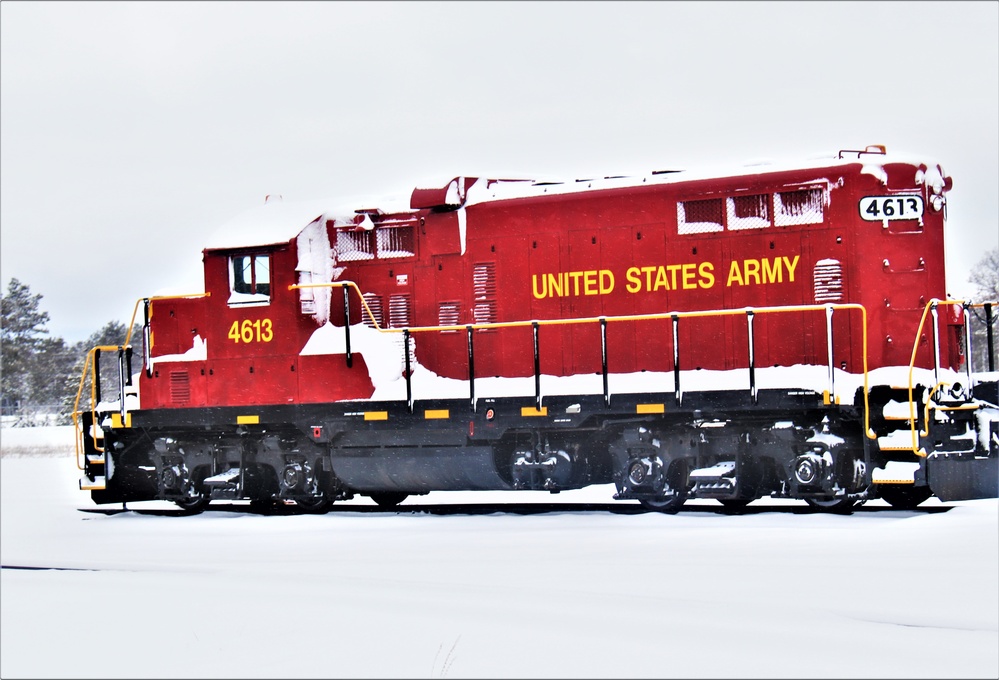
<point x="748" y="212"/>
<point x="448" y="314"/>
<point x="828" y="281"/>
<point x="395" y="241"/>
<point x="799" y="207"/>
<point x="484" y="312"/>
<point x="180" y="387"/>
<point x="700" y="217"/>
<point x="374" y="303"/>
<point x="484" y="292"/>
<point x="354" y="244"/>
<point x="398" y="311"/>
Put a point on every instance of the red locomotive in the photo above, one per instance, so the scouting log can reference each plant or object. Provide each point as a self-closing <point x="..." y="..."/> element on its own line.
<point x="762" y="331"/>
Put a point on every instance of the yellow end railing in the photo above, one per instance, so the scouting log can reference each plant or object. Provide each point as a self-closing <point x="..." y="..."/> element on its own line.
<point x="930" y="309"/>
<point x="90" y="369"/>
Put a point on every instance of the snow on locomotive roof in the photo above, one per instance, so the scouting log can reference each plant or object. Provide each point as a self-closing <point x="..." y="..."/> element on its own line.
<point x="278" y="221"/>
<point x="872" y="163"/>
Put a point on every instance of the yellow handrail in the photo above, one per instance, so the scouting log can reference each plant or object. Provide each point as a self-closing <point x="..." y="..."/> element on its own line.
<point x="629" y="317"/>
<point x="932" y="304"/>
<point x="91" y="364"/>
<point x="135" y="309"/>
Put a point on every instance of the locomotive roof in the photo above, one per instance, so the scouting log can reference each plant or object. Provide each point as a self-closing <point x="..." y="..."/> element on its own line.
<point x="278" y="222"/>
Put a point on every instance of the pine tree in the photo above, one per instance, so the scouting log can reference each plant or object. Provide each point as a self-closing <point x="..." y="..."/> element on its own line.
<point x="21" y="339"/>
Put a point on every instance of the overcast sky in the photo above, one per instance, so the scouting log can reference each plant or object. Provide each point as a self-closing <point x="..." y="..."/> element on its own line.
<point x="129" y="131"/>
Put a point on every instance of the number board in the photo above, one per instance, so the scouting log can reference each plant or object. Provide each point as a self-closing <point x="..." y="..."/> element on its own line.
<point x="884" y="208"/>
<point x="261" y="330"/>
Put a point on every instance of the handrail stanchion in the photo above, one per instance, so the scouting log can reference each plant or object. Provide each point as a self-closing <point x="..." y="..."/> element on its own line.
<point x="603" y="359"/>
<point x="471" y="368"/>
<point x="936" y="341"/>
<point x="967" y="344"/>
<point x="752" y="355"/>
<point x="537" y="367"/>
<point x="676" y="357"/>
<point x="96" y="385"/>
<point x="346" y="326"/>
<point x="147" y="360"/>
<point x="121" y="383"/>
<point x="989" y="336"/>
<point x="77" y="413"/>
<point x="409" y="378"/>
<point x="829" y="354"/>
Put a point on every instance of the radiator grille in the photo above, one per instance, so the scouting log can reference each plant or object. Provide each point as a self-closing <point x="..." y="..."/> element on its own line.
<point x="484" y="292"/>
<point x="398" y="311"/>
<point x="180" y="387"/>
<point x="448" y="314"/>
<point x="828" y="281"/>
<point x="374" y="303"/>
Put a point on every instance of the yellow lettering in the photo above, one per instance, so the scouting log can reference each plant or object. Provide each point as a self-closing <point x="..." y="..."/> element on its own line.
<point x="673" y="268"/>
<point x="247" y="331"/>
<point x="648" y="277"/>
<point x="575" y="282"/>
<point x="772" y="273"/>
<point x="661" y="281"/>
<point x="590" y="282"/>
<point x="688" y="276"/>
<point x="707" y="279"/>
<point x="534" y="286"/>
<point x="555" y="285"/>
<point x="634" y="283"/>
<point x="735" y="274"/>
<point x="791" y="265"/>
<point x="606" y="281"/>
<point x="752" y="270"/>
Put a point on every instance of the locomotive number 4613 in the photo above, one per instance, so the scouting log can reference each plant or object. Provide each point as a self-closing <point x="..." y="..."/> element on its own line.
<point x="261" y="330"/>
<point x="881" y="208"/>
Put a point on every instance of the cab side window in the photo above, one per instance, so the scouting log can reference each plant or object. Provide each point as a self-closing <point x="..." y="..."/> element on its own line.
<point x="249" y="279"/>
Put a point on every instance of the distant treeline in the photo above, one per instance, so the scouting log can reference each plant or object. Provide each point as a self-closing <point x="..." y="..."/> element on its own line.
<point x="41" y="374"/>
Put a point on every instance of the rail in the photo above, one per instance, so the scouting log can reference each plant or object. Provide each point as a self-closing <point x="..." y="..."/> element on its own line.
<point x="674" y="317"/>
<point x="91" y="369"/>
<point x="931" y="309"/>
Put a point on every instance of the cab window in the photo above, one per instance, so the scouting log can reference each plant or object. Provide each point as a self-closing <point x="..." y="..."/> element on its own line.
<point x="250" y="279"/>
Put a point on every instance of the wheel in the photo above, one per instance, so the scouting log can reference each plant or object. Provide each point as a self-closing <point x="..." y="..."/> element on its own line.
<point x="194" y="504"/>
<point x="832" y="504"/>
<point x="389" y="499"/>
<point x="904" y="496"/>
<point x="669" y="505"/>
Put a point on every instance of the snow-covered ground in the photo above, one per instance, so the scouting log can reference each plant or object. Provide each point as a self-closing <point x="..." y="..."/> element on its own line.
<point x="561" y="592"/>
